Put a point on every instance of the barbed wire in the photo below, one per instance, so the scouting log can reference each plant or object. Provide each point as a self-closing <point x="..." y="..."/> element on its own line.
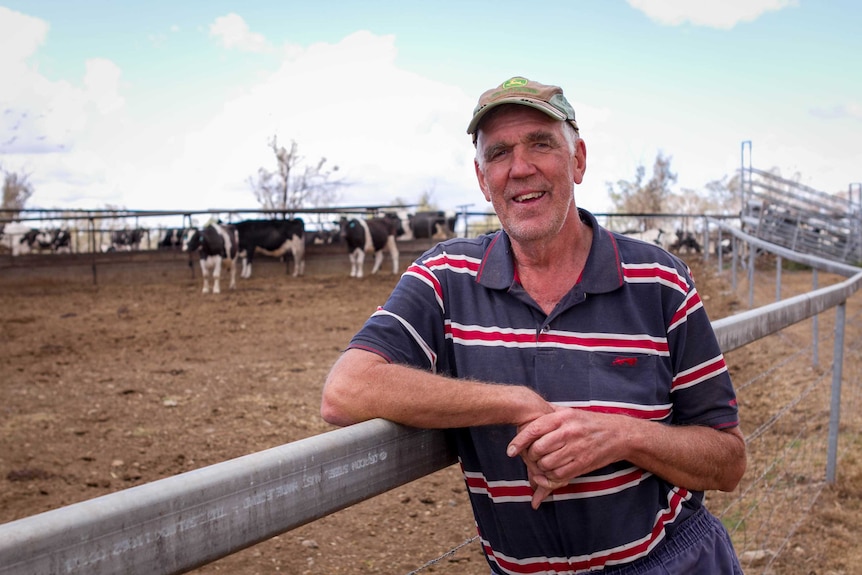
<point x="787" y="459"/>
<point x="449" y="553"/>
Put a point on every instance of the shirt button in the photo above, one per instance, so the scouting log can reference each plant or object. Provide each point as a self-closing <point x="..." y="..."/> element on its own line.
<point x="546" y="328"/>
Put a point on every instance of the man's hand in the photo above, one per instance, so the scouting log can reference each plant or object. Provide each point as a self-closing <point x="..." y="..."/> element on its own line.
<point x="565" y="444"/>
<point x="568" y="443"/>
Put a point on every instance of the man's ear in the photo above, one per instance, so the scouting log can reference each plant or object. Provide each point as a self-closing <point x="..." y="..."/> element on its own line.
<point x="579" y="161"/>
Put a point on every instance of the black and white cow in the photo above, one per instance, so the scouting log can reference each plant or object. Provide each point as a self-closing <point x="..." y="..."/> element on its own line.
<point x="436" y="225"/>
<point x="173" y="239"/>
<point x="373" y="236"/>
<point x="127" y="239"/>
<point x="218" y="245"/>
<point x="685" y="241"/>
<point x="61" y="240"/>
<point x="37" y="240"/>
<point x="655" y="236"/>
<point x="272" y="238"/>
<point x="322" y="237"/>
<point x="53" y="240"/>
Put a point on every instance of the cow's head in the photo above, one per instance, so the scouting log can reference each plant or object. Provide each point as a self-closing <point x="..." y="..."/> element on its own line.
<point x="191" y="240"/>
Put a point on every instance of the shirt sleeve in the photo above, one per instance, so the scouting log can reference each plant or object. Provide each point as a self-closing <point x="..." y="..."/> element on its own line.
<point x="409" y="328"/>
<point x="701" y="389"/>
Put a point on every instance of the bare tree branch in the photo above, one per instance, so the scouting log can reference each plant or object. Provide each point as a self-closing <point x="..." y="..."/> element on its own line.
<point x="295" y="184"/>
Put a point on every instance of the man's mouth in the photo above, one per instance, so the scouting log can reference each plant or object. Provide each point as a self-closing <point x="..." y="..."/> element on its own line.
<point x="530" y="196"/>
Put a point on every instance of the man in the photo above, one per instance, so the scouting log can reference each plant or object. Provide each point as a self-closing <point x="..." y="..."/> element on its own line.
<point x="590" y="402"/>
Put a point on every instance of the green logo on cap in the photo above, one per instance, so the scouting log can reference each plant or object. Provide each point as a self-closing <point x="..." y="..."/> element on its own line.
<point x="515" y="82"/>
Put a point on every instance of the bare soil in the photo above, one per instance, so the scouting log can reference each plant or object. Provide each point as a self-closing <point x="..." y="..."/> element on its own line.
<point x="127" y="374"/>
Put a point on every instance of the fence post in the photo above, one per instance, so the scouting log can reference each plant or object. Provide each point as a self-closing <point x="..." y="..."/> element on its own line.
<point x="752" y="252"/>
<point x="778" y="265"/>
<point x="835" y="406"/>
<point x="815" y="326"/>
<point x="93" y="249"/>
<point x="734" y="261"/>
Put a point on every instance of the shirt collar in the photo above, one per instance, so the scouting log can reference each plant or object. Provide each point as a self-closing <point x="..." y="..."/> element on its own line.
<point x="602" y="273"/>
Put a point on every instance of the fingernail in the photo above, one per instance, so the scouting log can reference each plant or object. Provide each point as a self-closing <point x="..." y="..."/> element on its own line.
<point x="511" y="451"/>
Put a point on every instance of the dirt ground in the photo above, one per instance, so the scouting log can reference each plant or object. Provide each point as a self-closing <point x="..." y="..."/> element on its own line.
<point x="137" y="377"/>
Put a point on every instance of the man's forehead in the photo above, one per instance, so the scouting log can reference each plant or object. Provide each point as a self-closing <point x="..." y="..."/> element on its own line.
<point x="518" y="125"/>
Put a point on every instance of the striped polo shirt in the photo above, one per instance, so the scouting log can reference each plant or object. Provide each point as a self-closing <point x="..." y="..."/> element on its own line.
<point x="631" y="337"/>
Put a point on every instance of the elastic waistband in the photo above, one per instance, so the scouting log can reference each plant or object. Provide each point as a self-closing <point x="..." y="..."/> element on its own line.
<point x="689" y="533"/>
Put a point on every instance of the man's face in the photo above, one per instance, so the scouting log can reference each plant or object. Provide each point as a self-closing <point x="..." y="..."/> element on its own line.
<point x="527" y="171"/>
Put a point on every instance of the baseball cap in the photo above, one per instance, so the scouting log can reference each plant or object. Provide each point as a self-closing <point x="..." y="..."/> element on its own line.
<point x="520" y="90"/>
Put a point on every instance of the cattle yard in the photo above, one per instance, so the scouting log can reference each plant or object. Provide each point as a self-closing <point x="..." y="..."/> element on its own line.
<point x="117" y="371"/>
<point x="92" y="266"/>
<point x="138" y="376"/>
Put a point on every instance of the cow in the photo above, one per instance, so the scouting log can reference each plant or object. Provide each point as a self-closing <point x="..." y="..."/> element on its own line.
<point x="173" y="239"/>
<point x="28" y="240"/>
<point x="322" y="237"/>
<point x="272" y="238"/>
<point x="61" y="241"/>
<point x="653" y="236"/>
<point x="127" y="239"/>
<point x="218" y="245"/>
<point x="435" y="225"/>
<point x="37" y="240"/>
<point x="685" y="241"/>
<point x="374" y="235"/>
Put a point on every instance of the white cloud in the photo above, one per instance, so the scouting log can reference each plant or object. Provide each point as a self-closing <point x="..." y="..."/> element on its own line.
<point x="42" y="116"/>
<point x="102" y="81"/>
<point x="391" y="132"/>
<point x="709" y="13"/>
<point x="233" y="32"/>
<point x="851" y="111"/>
<point x="22" y="35"/>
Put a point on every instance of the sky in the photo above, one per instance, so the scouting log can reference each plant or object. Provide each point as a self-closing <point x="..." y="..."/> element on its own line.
<point x="171" y="105"/>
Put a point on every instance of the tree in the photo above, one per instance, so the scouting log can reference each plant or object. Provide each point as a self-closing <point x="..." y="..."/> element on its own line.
<point x="639" y="197"/>
<point x="724" y="196"/>
<point x="295" y="184"/>
<point x="16" y="191"/>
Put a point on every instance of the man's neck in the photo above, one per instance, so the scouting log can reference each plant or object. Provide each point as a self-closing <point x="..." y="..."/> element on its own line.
<point x="548" y="270"/>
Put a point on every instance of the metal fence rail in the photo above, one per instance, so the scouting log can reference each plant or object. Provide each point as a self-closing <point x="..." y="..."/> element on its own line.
<point x="181" y="522"/>
<point x="178" y="523"/>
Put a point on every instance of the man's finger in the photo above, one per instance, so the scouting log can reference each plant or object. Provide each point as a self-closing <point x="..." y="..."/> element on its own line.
<point x="526" y="436"/>
<point x="539" y="495"/>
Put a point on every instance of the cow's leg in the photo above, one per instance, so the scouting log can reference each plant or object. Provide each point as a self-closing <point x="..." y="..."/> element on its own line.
<point x="246" y="267"/>
<point x="205" y="273"/>
<point x="352" y="257"/>
<point x="217" y="274"/>
<point x="393" y="252"/>
<point x="231" y="264"/>
<point x="378" y="261"/>
<point x="298" y="257"/>
<point x="357" y="263"/>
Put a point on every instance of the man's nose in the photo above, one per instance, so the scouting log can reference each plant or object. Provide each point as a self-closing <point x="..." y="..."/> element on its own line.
<point x="522" y="164"/>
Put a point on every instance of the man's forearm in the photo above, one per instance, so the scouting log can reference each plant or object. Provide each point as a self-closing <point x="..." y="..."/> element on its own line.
<point x="362" y="386"/>
<point x="695" y="457"/>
